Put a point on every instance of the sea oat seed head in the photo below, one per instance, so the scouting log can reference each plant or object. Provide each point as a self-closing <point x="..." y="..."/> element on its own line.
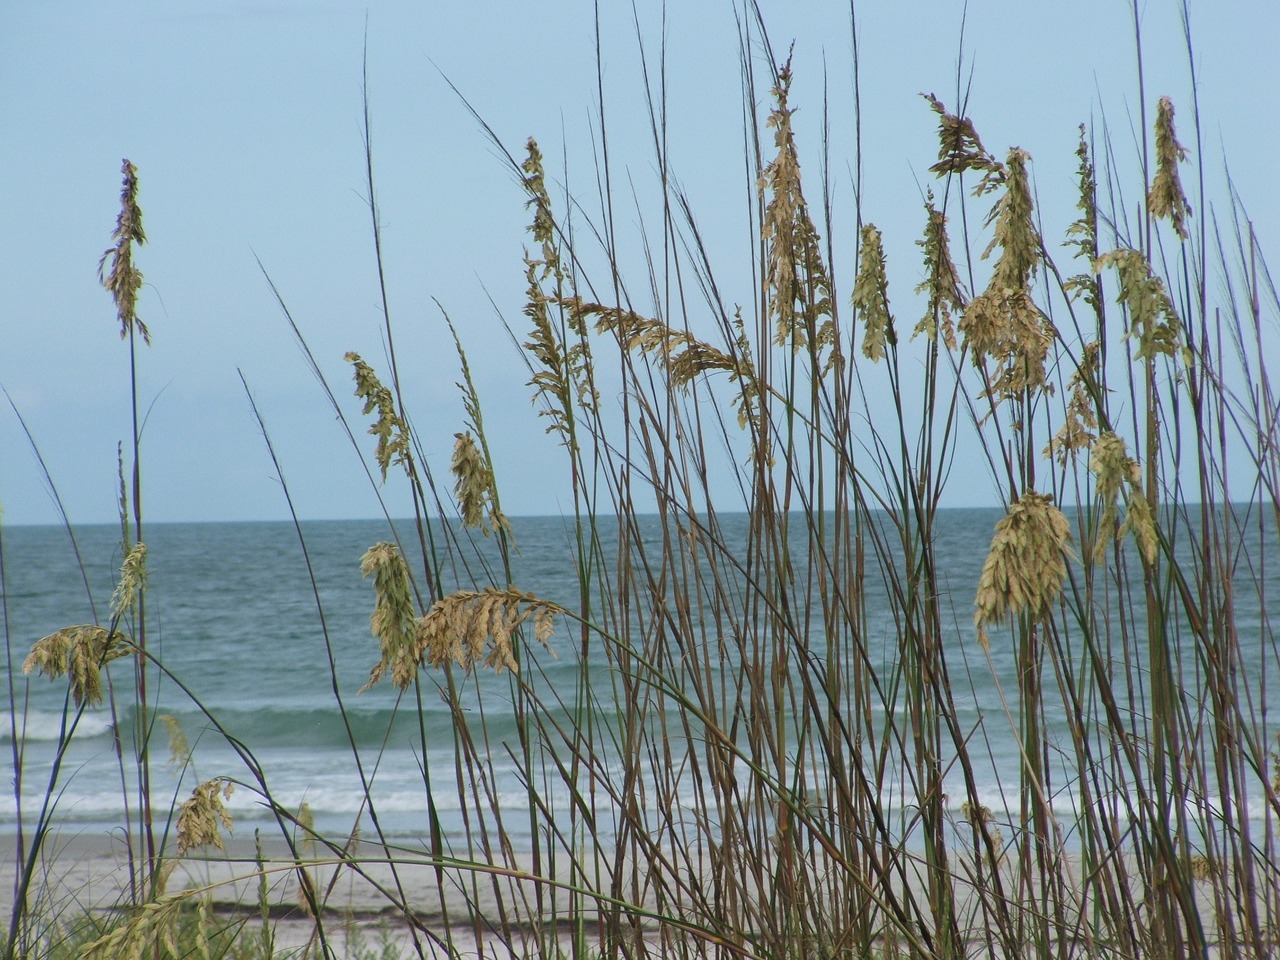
<point x="1007" y="327"/>
<point x="79" y="653"/>
<point x="1003" y="324"/>
<point x="942" y="283"/>
<point x="179" y="747"/>
<point x="1076" y="432"/>
<point x="1026" y="565"/>
<point x="133" y="581"/>
<point x="1152" y="318"/>
<point x="796" y="277"/>
<point x="871" y="296"/>
<point x="543" y="227"/>
<point x="148" y="928"/>
<point x="122" y="279"/>
<point x="960" y="148"/>
<point x="563" y="372"/>
<point x="460" y="626"/>
<point x="392" y="621"/>
<point x="1166" y="198"/>
<point x="1139" y="522"/>
<point x="392" y="434"/>
<point x="1110" y="463"/>
<point x="1015" y="230"/>
<point x="473" y="479"/>
<point x="203" y="813"/>
<point x="1114" y="469"/>
<point x="684" y="356"/>
<point x="1083" y="232"/>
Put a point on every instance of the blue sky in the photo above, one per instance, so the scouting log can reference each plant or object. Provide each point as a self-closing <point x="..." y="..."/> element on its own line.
<point x="245" y="121"/>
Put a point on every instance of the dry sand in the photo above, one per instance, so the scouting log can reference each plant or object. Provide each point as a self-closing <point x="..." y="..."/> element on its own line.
<point x="90" y="873"/>
<point x="361" y="905"/>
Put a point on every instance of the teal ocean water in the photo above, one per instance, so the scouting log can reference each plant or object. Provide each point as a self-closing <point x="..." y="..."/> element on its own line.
<point x="233" y="612"/>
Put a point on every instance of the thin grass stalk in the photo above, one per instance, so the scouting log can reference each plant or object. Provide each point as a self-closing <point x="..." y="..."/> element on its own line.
<point x="142" y="732"/>
<point x="15" y="711"/>
<point x="366" y="779"/>
<point x="284" y="818"/>
<point x="433" y="569"/>
<point x="1168" y="935"/>
<point x="726" y="669"/>
<point x="19" y="919"/>
<point x="123" y="281"/>
<point x="431" y="561"/>
<point x="18" y="708"/>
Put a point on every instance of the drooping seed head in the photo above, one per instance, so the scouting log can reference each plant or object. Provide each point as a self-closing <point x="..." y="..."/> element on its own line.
<point x="392" y="621"/>
<point x="1026" y="564"/>
<point x="470" y="627"/>
<point x="79" y="653"/>
<point x="1166" y="199"/>
<point x="203" y="815"/>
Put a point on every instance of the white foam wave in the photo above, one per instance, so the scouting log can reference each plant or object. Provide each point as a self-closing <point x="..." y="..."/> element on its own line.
<point x="46" y="726"/>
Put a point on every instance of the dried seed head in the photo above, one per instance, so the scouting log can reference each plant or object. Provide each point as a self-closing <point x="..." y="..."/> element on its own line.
<point x="79" y="652"/>
<point x="474" y="487"/>
<point x="1115" y="470"/>
<point x="562" y="367"/>
<point x="460" y="626"/>
<point x="1077" y="429"/>
<point x="1139" y="522"/>
<point x="684" y="356"/>
<point x="473" y="479"/>
<point x="307" y="823"/>
<point x="942" y="284"/>
<point x="133" y="580"/>
<point x="543" y="227"/>
<point x="179" y="748"/>
<point x="960" y="148"/>
<point x="1007" y="328"/>
<point x="796" y="276"/>
<point x="148" y="928"/>
<point x="1083" y="233"/>
<point x="1003" y="324"/>
<point x="471" y="403"/>
<point x="1166" y="198"/>
<point x="1026" y="565"/>
<point x="551" y="374"/>
<point x="1110" y="463"/>
<point x="122" y="279"/>
<point x="392" y="621"/>
<point x="744" y="372"/>
<point x="1015" y="229"/>
<point x="307" y="847"/>
<point x="871" y="296"/>
<point x="1204" y="867"/>
<point x="1152" y="319"/>
<point x="204" y="814"/>
<point x="392" y="434"/>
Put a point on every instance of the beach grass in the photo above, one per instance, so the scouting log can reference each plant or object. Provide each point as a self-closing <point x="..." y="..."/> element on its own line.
<point x="823" y="758"/>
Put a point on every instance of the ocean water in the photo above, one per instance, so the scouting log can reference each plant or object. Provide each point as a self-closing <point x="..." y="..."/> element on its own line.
<point x="233" y="612"/>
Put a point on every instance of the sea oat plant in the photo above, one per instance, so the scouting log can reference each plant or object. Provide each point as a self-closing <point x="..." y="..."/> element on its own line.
<point x="759" y="724"/>
<point x="835" y="806"/>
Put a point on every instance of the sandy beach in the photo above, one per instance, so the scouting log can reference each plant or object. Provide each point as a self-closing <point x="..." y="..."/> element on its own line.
<point x="366" y="902"/>
<point x="360" y="900"/>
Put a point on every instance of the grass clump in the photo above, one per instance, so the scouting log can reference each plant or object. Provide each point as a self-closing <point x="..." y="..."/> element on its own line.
<point x="766" y="744"/>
